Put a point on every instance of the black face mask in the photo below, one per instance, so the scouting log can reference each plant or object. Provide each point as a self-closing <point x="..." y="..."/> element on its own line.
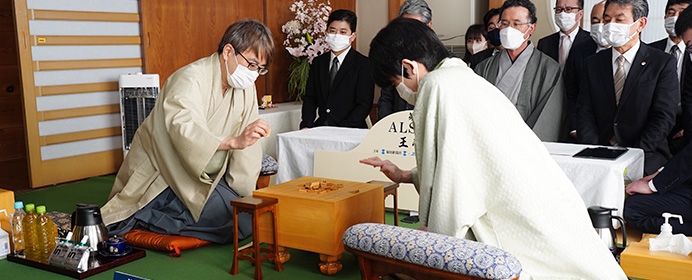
<point x="494" y="37"/>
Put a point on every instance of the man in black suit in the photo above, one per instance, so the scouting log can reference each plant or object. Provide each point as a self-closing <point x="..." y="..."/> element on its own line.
<point x="339" y="85"/>
<point x="674" y="45"/>
<point x="628" y="94"/>
<point x="670" y="189"/>
<point x="569" y="47"/>
<point x="492" y="22"/>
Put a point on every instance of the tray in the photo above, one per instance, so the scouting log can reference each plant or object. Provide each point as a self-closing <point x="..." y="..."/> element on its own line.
<point x="97" y="264"/>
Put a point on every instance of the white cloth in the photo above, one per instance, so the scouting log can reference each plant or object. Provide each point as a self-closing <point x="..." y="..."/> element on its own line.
<point x="473" y="181"/>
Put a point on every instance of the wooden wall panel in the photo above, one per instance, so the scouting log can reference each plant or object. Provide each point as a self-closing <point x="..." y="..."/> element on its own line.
<point x="278" y="14"/>
<point x="178" y="32"/>
<point x="12" y="144"/>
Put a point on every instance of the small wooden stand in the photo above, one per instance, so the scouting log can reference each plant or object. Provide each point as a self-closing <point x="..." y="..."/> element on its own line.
<point x="390" y="188"/>
<point x="255" y="206"/>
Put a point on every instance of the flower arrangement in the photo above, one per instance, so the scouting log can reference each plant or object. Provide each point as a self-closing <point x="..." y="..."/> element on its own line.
<point x="305" y="40"/>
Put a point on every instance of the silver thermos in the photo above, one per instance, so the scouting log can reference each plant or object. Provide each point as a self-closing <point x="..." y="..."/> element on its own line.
<point x="86" y="220"/>
<point x="602" y="220"/>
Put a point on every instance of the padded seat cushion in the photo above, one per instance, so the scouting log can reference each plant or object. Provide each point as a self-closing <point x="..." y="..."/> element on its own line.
<point x="433" y="250"/>
<point x="269" y="165"/>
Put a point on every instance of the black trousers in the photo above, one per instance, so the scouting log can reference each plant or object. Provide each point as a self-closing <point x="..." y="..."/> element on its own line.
<point x="643" y="211"/>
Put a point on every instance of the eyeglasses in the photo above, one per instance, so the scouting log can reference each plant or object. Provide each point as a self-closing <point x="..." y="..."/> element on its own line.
<point x="566" y="9"/>
<point x="504" y="24"/>
<point x="254" y="67"/>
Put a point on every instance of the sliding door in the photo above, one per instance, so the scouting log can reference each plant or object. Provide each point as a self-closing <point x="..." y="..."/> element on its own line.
<point x="71" y="53"/>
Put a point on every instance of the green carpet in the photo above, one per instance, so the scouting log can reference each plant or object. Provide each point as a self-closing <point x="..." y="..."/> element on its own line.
<point x="209" y="262"/>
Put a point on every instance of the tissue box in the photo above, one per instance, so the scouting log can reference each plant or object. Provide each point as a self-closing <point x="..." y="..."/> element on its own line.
<point x="7" y="203"/>
<point x="638" y="262"/>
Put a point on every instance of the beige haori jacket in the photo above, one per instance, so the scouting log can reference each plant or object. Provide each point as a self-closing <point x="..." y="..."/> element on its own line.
<point x="176" y="142"/>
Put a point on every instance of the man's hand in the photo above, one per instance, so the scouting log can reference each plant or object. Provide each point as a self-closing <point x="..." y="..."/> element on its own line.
<point x="389" y="169"/>
<point x="253" y="132"/>
<point x="640" y="186"/>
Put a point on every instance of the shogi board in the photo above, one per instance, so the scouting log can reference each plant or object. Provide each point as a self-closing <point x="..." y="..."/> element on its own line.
<point x="315" y="222"/>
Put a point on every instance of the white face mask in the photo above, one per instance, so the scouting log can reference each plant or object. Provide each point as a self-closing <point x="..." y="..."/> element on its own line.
<point x="478" y="47"/>
<point x="338" y="42"/>
<point x="597" y="35"/>
<point x="617" y="34"/>
<point x="404" y="92"/>
<point x="670" y="25"/>
<point x="512" y="38"/>
<point x="565" y="20"/>
<point x="242" y="77"/>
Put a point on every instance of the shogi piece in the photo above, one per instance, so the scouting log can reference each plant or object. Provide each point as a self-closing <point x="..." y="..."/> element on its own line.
<point x="255" y="206"/>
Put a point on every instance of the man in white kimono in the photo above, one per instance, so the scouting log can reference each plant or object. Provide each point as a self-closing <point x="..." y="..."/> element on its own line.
<point x="473" y="181"/>
<point x="197" y="149"/>
<point x="529" y="78"/>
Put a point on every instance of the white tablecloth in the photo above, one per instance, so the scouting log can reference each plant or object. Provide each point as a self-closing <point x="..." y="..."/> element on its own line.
<point x="285" y="117"/>
<point x="600" y="182"/>
<point x="296" y="149"/>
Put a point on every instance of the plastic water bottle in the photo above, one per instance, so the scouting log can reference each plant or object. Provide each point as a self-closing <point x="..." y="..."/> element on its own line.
<point x="46" y="234"/>
<point x="4" y="241"/>
<point x="30" y="233"/>
<point x="17" y="234"/>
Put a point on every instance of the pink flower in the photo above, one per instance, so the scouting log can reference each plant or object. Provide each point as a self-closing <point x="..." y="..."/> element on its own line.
<point x="310" y="22"/>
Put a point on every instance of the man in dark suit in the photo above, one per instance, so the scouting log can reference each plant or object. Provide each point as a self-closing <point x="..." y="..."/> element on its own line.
<point x="674" y="45"/>
<point x="339" y="85"/>
<point x="492" y="22"/>
<point x="628" y="94"/>
<point x="569" y="47"/>
<point x="669" y="189"/>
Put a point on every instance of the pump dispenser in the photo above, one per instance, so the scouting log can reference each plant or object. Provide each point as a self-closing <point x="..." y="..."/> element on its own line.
<point x="667" y="241"/>
<point x="666" y="228"/>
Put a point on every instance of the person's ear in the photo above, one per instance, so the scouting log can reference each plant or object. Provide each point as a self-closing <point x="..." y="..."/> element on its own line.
<point x="641" y="24"/>
<point x="228" y="51"/>
<point x="353" y="37"/>
<point x="410" y="67"/>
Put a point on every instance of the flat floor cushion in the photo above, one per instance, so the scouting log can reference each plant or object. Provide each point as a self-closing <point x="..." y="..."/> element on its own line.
<point x="163" y="242"/>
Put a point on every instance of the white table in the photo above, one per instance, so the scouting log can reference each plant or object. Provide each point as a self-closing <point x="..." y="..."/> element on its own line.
<point x="296" y="149"/>
<point x="285" y="117"/>
<point x="600" y="182"/>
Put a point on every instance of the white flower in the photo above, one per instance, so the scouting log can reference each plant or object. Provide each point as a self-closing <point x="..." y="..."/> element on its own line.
<point x="304" y="34"/>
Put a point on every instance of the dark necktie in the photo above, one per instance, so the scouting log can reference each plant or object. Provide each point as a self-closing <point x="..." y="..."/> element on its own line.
<point x="674" y="51"/>
<point x="333" y="70"/>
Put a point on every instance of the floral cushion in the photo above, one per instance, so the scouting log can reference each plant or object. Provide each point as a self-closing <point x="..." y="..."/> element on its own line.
<point x="433" y="250"/>
<point x="269" y="165"/>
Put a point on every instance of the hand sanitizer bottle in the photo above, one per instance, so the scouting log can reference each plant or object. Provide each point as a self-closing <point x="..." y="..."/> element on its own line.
<point x="666" y="228"/>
